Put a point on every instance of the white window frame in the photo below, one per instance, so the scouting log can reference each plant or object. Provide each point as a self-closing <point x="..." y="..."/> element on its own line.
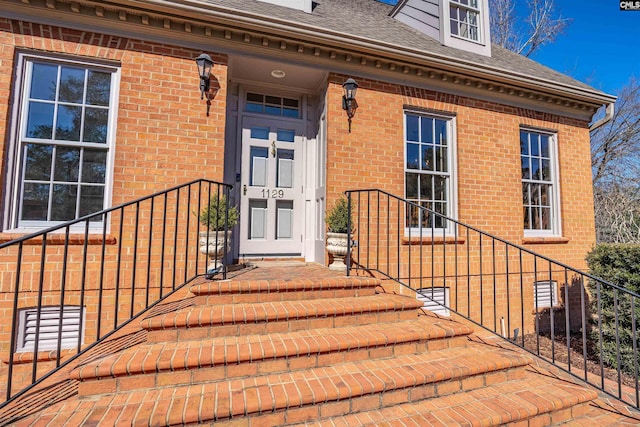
<point x="546" y="285"/>
<point x="554" y="182"/>
<point x="451" y="188"/>
<point x="72" y="317"/>
<point x="458" y="5"/>
<point x="482" y="45"/>
<point x="13" y="201"/>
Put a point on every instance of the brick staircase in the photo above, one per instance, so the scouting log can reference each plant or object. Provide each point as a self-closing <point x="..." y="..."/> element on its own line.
<point x="305" y="347"/>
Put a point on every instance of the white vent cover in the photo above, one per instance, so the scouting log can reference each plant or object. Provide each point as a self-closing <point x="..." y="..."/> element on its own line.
<point x="49" y="326"/>
<point x="545" y="293"/>
<point x="433" y="297"/>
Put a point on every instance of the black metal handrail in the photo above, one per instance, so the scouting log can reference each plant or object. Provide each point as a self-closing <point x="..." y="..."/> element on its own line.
<point x="112" y="265"/>
<point x="507" y="289"/>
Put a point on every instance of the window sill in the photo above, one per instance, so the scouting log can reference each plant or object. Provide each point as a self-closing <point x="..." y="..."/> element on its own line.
<point x="446" y="240"/>
<point x="59" y="239"/>
<point x="544" y="240"/>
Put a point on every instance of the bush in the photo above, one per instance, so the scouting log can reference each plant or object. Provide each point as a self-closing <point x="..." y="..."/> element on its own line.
<point x="618" y="264"/>
<point x="214" y="215"/>
<point x="338" y="217"/>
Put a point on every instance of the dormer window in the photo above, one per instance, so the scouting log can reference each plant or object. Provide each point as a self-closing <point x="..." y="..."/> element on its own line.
<point x="460" y="24"/>
<point x="464" y="19"/>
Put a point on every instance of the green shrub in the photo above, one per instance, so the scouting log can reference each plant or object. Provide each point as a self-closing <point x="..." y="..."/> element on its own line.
<point x="338" y="217"/>
<point x="618" y="264"/>
<point x="214" y="215"/>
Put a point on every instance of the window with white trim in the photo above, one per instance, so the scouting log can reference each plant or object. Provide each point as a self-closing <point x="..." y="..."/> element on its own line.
<point x="64" y="141"/>
<point x="428" y="170"/>
<point x="51" y="329"/>
<point x="539" y="183"/>
<point x="464" y="19"/>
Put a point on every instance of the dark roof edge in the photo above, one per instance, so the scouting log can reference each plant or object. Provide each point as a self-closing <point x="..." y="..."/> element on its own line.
<point x="372" y="47"/>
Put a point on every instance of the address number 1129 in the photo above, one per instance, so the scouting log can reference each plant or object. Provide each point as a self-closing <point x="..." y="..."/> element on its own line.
<point x="268" y="193"/>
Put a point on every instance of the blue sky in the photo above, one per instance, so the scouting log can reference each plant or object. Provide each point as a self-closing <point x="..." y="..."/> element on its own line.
<point x="601" y="46"/>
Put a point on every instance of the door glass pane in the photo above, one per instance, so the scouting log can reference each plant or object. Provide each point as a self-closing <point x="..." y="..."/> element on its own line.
<point x="259" y="133"/>
<point x="286" y="135"/>
<point x="258" y="165"/>
<point x="285" y="168"/>
<point x="35" y="200"/>
<point x="284" y="219"/>
<point x="257" y="219"/>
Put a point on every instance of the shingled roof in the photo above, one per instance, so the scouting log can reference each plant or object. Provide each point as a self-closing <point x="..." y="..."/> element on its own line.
<point x="369" y="20"/>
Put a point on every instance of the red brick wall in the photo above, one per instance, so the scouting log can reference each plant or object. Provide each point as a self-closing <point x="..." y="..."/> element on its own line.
<point x="163" y="138"/>
<point x="488" y="182"/>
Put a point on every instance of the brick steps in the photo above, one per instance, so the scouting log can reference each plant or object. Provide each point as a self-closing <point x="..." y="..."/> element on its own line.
<point x="529" y="401"/>
<point x="240" y="354"/>
<point x="211" y="321"/>
<point x="251" y="291"/>
<point x="365" y="385"/>
<point x="317" y="347"/>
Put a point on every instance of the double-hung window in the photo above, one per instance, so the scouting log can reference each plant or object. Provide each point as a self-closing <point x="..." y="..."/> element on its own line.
<point x="540" y="192"/>
<point x="64" y="141"/>
<point x="429" y="178"/>
<point x="464" y="19"/>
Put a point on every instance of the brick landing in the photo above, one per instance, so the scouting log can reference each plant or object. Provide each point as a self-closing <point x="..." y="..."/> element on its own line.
<point x="296" y="344"/>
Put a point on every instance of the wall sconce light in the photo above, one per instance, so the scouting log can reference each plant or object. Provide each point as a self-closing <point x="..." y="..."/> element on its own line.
<point x="349" y="103"/>
<point x="204" y="63"/>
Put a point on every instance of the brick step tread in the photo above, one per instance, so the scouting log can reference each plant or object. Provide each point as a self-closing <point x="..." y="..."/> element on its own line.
<point x="235" y="286"/>
<point x="227" y="314"/>
<point x="545" y="400"/>
<point x="449" y="371"/>
<point x="185" y="355"/>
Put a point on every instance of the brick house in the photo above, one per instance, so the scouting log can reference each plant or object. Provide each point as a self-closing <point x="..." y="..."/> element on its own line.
<point x="105" y="107"/>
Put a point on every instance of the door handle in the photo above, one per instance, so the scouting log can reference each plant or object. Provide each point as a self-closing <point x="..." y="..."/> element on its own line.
<point x="273" y="148"/>
<point x="244" y="190"/>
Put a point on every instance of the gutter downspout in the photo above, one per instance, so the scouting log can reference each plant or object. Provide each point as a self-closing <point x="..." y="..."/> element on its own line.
<point x="606" y="119"/>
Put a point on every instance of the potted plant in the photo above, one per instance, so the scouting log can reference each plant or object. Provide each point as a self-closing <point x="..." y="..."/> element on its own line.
<point x="215" y="218"/>
<point x="338" y="234"/>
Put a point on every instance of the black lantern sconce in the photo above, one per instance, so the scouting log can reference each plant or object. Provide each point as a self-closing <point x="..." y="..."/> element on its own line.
<point x="204" y="63"/>
<point x="349" y="103"/>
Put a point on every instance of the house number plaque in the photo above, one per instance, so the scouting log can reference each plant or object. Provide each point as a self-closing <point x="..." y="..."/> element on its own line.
<point x="268" y="193"/>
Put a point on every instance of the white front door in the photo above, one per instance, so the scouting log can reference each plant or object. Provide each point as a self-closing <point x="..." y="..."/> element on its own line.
<point x="271" y="188"/>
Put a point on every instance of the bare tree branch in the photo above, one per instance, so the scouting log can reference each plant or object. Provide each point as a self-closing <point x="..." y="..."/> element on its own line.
<point x="615" y="161"/>
<point x="526" y="36"/>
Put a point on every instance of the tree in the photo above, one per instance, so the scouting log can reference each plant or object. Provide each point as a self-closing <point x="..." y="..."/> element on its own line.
<point x="615" y="162"/>
<point x="525" y="36"/>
